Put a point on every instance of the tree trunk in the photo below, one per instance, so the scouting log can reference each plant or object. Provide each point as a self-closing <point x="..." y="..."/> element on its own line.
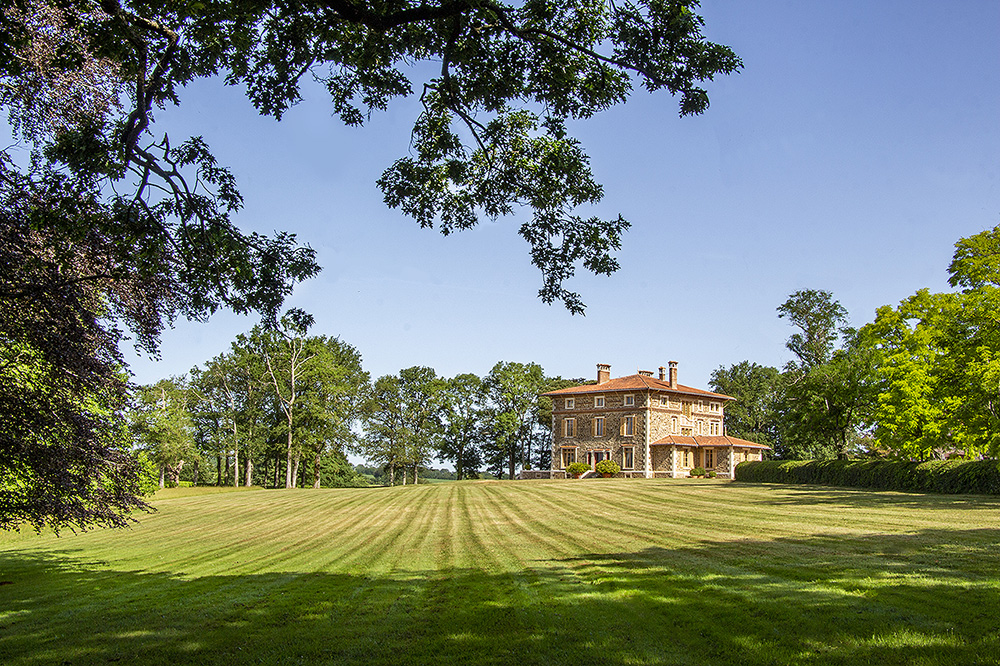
<point x="392" y="475"/>
<point x="295" y="471"/>
<point x="316" y="471"/>
<point x="289" y="477"/>
<point x="196" y="470"/>
<point x="218" y="470"/>
<point x="163" y="476"/>
<point x="416" y="480"/>
<point x="458" y="463"/>
<point x="249" y="478"/>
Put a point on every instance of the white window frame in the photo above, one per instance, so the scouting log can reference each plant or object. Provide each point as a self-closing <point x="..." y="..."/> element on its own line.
<point x="628" y="426"/>
<point x="713" y="407"/>
<point x="629" y="400"/>
<point x="673" y="424"/>
<point x="570" y="403"/>
<point x="628" y="450"/>
<point x="569" y="428"/>
<point x="599" y="426"/>
<point x="701" y="405"/>
<point x="598" y="402"/>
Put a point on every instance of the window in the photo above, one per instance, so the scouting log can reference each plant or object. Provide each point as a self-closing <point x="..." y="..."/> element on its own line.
<point x="687" y="458"/>
<point x="713" y="407"/>
<point x="686" y="408"/>
<point x="568" y="456"/>
<point x="686" y="432"/>
<point x="663" y="401"/>
<point x="673" y="424"/>
<point x="701" y="405"/>
<point x="599" y="426"/>
<point x="628" y="426"/>
<point x="570" y="403"/>
<point x="599" y="402"/>
<point x="709" y="458"/>
<point x="628" y="457"/>
<point x="569" y="428"/>
<point x="630" y="401"/>
<point x="701" y="427"/>
<point x="713" y="428"/>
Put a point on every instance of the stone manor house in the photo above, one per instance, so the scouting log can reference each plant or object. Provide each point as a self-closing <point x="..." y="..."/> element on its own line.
<point x="651" y="426"/>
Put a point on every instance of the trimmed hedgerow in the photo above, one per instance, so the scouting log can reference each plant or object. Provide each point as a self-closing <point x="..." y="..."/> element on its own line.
<point x="936" y="476"/>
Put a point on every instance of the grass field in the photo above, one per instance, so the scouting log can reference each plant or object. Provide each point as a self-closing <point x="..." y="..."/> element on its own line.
<point x="588" y="572"/>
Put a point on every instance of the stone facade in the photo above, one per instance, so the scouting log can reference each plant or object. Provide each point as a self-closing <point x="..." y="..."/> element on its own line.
<point x="651" y="427"/>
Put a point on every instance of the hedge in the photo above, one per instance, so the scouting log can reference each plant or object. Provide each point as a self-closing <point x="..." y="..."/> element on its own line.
<point x="936" y="476"/>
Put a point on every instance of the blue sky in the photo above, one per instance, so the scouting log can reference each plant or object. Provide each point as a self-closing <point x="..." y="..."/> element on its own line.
<point x="858" y="144"/>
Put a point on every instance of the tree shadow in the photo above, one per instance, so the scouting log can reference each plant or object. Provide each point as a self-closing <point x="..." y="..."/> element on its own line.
<point x="812" y="495"/>
<point x="924" y="598"/>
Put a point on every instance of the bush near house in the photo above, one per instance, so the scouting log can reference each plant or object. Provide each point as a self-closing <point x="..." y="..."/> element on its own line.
<point x="935" y="476"/>
<point x="577" y="468"/>
<point x="607" y="467"/>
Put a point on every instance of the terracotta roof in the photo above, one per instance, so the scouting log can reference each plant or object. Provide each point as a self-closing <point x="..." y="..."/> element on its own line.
<point x="635" y="383"/>
<point x="706" y="440"/>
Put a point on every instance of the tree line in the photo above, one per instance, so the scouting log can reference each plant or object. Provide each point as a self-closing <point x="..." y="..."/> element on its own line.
<point x="921" y="381"/>
<point x="283" y="408"/>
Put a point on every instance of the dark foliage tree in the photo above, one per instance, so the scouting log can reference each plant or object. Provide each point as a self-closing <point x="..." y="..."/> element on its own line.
<point x="755" y="414"/>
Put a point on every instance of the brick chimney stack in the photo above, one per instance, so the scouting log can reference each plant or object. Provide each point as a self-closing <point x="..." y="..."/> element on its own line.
<point x="663" y="375"/>
<point x="603" y="372"/>
<point x="673" y="374"/>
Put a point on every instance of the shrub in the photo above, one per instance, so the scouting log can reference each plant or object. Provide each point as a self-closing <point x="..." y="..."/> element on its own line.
<point x="711" y="474"/>
<point x="935" y="476"/>
<point x="576" y="468"/>
<point x="607" y="467"/>
<point x="698" y="471"/>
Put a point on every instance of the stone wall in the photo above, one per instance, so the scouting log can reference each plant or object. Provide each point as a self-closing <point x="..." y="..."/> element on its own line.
<point x="614" y="412"/>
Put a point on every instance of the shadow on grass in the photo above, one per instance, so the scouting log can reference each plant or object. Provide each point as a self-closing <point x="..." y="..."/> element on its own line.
<point x="854" y="498"/>
<point x="927" y="598"/>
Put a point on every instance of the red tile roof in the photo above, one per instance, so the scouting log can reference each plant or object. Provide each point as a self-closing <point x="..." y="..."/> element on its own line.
<point x="706" y="440"/>
<point x="635" y="383"/>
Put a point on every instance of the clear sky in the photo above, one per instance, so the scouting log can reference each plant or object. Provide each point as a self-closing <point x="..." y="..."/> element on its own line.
<point x="861" y="140"/>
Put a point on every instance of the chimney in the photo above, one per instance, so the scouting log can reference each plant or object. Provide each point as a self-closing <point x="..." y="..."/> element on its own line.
<point x="673" y="374"/>
<point x="603" y="372"/>
<point x="646" y="373"/>
<point x="663" y="375"/>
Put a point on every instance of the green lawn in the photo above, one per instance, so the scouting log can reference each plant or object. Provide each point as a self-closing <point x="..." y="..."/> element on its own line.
<point x="585" y="572"/>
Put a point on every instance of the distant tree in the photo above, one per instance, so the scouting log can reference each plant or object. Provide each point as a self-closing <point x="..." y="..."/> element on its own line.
<point x="755" y="414"/>
<point x="385" y="434"/>
<point x="827" y="392"/>
<point x="423" y="398"/>
<point x="463" y="408"/>
<point x="162" y="423"/>
<point x="820" y="319"/>
<point x="512" y="389"/>
<point x="826" y="407"/>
